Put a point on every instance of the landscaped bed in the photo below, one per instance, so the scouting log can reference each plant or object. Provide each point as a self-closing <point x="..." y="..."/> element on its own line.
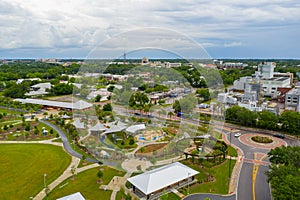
<point x="29" y="130"/>
<point x="152" y="147"/>
<point x="262" y="139"/>
<point x="23" y="167"/>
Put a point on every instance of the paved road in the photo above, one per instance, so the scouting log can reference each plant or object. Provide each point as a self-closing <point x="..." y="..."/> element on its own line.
<point x="211" y="196"/>
<point x="245" y="190"/>
<point x="66" y="143"/>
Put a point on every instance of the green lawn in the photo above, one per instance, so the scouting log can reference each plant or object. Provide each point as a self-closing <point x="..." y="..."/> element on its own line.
<point x="172" y="196"/>
<point x="232" y="151"/>
<point x="86" y="183"/>
<point x="220" y="172"/>
<point x="23" y="166"/>
<point x="7" y="111"/>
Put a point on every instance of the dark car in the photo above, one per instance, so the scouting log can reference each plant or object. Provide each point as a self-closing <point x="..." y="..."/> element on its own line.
<point x="279" y="136"/>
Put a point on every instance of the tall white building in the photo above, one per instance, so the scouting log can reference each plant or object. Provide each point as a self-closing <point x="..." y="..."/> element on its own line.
<point x="292" y="100"/>
<point x="266" y="77"/>
<point x="266" y="69"/>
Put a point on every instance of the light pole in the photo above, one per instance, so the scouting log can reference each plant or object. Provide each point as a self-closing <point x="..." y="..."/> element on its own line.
<point x="229" y="156"/>
<point x="188" y="183"/>
<point x="45" y="180"/>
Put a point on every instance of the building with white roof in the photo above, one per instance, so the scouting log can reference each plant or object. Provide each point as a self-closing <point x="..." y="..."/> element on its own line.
<point x="134" y="128"/>
<point x="154" y="182"/>
<point x="75" y="196"/>
<point x="39" y="89"/>
<point x="79" y="105"/>
<point x="78" y="124"/>
<point x="97" y="128"/>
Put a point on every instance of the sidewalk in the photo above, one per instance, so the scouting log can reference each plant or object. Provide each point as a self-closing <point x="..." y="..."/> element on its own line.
<point x="66" y="174"/>
<point x="34" y="142"/>
<point x="237" y="168"/>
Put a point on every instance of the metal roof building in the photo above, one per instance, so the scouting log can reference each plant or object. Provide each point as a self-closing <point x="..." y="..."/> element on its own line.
<point x="75" y="196"/>
<point x="79" y="105"/>
<point x="155" y="181"/>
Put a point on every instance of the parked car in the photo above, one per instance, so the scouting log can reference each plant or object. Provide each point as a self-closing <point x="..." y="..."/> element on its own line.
<point x="279" y="135"/>
<point x="237" y="134"/>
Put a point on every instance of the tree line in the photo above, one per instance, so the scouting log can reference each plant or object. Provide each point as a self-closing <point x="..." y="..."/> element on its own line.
<point x="288" y="121"/>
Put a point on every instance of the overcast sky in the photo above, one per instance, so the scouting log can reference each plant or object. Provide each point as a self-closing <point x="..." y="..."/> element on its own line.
<point x="225" y="28"/>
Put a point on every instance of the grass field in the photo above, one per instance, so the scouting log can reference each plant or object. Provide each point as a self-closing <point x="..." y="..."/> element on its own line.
<point x="23" y="166"/>
<point x="220" y="172"/>
<point x="86" y="183"/>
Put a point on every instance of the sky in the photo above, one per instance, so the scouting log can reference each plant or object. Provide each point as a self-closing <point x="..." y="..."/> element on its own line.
<point x="223" y="28"/>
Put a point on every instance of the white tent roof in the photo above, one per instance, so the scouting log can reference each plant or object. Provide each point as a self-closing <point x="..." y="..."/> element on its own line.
<point x="79" y="105"/>
<point x="75" y="196"/>
<point x="134" y="128"/>
<point x="65" y="116"/>
<point x="114" y="128"/>
<point x="78" y="124"/>
<point x="162" y="177"/>
<point x="98" y="127"/>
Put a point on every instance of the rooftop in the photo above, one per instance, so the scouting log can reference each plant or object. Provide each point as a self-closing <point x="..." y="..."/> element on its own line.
<point x="75" y="196"/>
<point x="162" y="177"/>
<point x="79" y="105"/>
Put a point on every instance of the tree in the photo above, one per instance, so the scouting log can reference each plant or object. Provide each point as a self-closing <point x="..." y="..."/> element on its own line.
<point x="176" y="106"/>
<point x="267" y="120"/>
<point x="99" y="174"/>
<point x="203" y="94"/>
<point x="170" y="114"/>
<point x="62" y="89"/>
<point x="138" y="100"/>
<point x="131" y="141"/>
<point x="111" y="88"/>
<point x="107" y="107"/>
<point x="97" y="98"/>
<point x="284" y="174"/>
<point x="27" y="127"/>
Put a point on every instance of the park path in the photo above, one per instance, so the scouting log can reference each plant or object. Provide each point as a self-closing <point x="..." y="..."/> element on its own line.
<point x="65" y="175"/>
<point x="50" y="141"/>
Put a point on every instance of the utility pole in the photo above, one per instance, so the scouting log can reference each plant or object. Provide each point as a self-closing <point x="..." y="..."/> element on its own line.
<point x="229" y="175"/>
<point x="188" y="183"/>
<point x="45" y="180"/>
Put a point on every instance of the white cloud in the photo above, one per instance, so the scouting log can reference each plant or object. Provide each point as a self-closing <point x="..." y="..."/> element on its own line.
<point x="83" y="23"/>
<point x="233" y="44"/>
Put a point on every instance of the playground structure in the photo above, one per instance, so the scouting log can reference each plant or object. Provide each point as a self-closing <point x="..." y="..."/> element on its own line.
<point x="150" y="135"/>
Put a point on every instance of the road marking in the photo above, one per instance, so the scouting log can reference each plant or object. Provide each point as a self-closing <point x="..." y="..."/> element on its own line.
<point x="254" y="174"/>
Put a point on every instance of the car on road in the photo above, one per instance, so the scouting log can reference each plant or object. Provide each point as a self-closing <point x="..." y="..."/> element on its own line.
<point x="237" y="134"/>
<point x="279" y="135"/>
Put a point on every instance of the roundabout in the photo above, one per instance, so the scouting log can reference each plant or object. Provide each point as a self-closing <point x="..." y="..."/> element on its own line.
<point x="247" y="139"/>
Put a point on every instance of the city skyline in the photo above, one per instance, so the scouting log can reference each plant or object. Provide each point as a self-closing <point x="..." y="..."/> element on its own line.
<point x="225" y="29"/>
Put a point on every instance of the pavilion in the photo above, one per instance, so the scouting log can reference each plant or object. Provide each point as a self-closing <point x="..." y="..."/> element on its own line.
<point x="151" y="184"/>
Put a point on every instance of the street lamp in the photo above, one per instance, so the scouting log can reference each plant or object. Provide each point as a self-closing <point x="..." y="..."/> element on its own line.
<point x="229" y="155"/>
<point x="45" y="180"/>
<point x="188" y="183"/>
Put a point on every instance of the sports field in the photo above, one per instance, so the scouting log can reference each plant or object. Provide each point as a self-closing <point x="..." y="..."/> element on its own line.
<point x="23" y="166"/>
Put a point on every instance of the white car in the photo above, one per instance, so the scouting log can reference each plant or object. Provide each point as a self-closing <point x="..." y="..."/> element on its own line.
<point x="237" y="135"/>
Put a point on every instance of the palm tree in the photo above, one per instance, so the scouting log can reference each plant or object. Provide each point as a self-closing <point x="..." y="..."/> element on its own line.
<point x="170" y="114"/>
